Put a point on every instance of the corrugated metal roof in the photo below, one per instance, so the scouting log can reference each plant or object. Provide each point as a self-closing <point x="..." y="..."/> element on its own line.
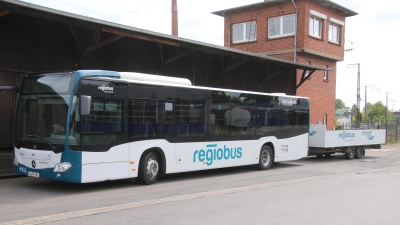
<point x="209" y="47"/>
<point x="325" y="3"/>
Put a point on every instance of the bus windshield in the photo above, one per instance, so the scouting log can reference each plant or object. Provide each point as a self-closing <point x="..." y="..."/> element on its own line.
<point x="42" y="111"/>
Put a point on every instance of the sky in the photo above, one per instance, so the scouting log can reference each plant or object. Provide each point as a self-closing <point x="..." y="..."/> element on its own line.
<point x="373" y="34"/>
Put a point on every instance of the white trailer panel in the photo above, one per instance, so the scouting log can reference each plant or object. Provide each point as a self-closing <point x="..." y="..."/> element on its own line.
<point x="319" y="137"/>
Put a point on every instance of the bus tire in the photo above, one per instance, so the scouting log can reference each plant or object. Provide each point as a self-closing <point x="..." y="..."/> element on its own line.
<point x="350" y="154"/>
<point x="266" y="158"/>
<point x="359" y="152"/>
<point x="319" y="155"/>
<point x="149" y="168"/>
<point x="328" y="154"/>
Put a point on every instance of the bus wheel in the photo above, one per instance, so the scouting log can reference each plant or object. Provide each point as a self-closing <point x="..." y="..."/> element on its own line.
<point x="319" y="155"/>
<point x="359" y="152"/>
<point x="149" y="168"/>
<point x="328" y="154"/>
<point x="265" y="161"/>
<point x="350" y="154"/>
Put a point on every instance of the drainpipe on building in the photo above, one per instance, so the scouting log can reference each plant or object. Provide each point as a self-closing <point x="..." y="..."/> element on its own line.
<point x="295" y="32"/>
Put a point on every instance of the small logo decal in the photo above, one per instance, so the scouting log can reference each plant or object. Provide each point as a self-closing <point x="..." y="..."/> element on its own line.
<point x="106" y="89"/>
<point x="312" y="133"/>
<point x="368" y="134"/>
<point x="33" y="164"/>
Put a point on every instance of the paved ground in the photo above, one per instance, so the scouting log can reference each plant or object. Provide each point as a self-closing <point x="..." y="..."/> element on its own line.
<point x="328" y="190"/>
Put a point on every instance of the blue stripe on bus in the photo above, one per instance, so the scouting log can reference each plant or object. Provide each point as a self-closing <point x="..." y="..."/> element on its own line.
<point x="74" y="174"/>
<point x="211" y="145"/>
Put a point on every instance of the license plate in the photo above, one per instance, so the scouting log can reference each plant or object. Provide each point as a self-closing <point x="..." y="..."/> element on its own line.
<point x="33" y="174"/>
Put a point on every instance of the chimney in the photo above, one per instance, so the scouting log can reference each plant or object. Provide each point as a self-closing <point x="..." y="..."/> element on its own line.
<point x="174" y="28"/>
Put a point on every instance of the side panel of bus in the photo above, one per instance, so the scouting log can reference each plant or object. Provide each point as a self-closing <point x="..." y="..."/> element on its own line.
<point x="109" y="165"/>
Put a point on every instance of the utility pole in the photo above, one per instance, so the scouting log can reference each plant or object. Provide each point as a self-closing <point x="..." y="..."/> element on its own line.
<point x="366" y="105"/>
<point x="358" y="92"/>
<point x="366" y="118"/>
<point x="386" y="114"/>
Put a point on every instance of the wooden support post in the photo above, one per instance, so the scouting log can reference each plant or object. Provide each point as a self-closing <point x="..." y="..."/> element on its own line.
<point x="4" y="13"/>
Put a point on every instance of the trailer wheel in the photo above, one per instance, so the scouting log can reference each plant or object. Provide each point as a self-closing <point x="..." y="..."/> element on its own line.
<point x="149" y="168"/>
<point x="359" y="152"/>
<point x="266" y="159"/>
<point x="350" y="154"/>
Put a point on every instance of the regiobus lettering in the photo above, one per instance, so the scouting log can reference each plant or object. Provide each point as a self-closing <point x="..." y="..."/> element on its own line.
<point x="106" y="89"/>
<point x="345" y="135"/>
<point x="210" y="155"/>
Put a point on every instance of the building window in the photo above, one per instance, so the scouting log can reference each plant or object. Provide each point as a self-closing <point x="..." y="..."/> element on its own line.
<point x="315" y="24"/>
<point x="334" y="30"/>
<point x="243" y="32"/>
<point x="334" y="33"/>
<point x="326" y="73"/>
<point x="281" y="26"/>
<point x="315" y="27"/>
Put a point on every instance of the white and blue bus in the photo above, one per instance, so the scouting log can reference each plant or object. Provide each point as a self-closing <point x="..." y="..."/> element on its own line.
<point x="88" y="126"/>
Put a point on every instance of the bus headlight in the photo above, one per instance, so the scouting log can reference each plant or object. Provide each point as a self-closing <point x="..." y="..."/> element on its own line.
<point x="15" y="161"/>
<point x="62" y="167"/>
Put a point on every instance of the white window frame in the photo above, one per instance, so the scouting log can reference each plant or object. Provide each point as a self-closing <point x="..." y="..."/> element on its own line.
<point x="314" y="15"/>
<point x="243" y="27"/>
<point x="335" y="23"/>
<point x="281" y="27"/>
<point x="326" y="73"/>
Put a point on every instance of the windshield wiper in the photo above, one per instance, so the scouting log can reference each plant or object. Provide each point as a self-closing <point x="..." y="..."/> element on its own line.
<point x="38" y="144"/>
<point x="33" y="136"/>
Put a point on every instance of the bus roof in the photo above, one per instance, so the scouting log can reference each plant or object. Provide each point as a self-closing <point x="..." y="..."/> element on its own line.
<point x="173" y="82"/>
<point x="155" y="78"/>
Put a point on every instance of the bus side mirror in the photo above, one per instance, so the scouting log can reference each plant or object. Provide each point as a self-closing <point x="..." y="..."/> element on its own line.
<point x="85" y="105"/>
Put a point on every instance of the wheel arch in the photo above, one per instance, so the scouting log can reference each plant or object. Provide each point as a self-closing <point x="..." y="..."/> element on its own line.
<point x="271" y="145"/>
<point x="161" y="155"/>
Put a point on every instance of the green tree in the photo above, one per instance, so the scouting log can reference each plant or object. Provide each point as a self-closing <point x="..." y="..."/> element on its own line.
<point x="381" y="119"/>
<point x="377" y="110"/>
<point x="376" y="113"/>
<point x="369" y="107"/>
<point x="340" y="104"/>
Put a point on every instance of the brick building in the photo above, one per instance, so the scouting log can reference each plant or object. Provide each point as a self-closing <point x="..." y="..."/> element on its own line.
<point x="269" y="28"/>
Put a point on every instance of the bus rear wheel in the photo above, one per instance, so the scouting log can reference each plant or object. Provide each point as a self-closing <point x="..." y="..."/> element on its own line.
<point x="149" y="168"/>
<point x="359" y="152"/>
<point x="265" y="159"/>
<point x="350" y="154"/>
